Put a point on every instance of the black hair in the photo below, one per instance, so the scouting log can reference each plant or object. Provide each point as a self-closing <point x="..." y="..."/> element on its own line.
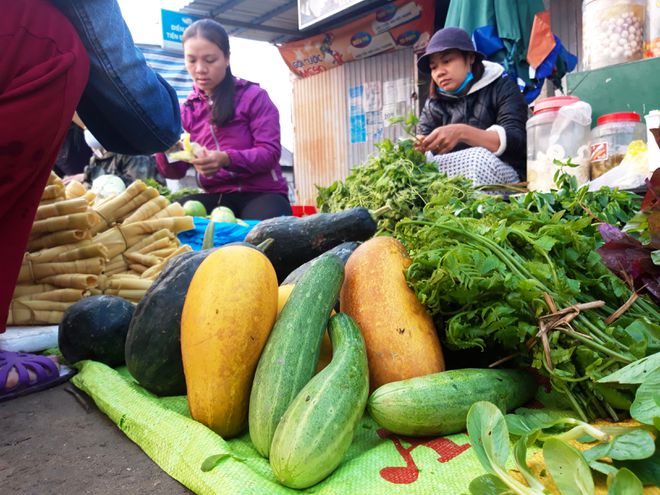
<point x="477" y="69"/>
<point x="223" y="95"/>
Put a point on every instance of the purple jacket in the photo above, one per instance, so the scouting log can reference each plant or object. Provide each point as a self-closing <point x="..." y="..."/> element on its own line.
<point x="251" y="139"/>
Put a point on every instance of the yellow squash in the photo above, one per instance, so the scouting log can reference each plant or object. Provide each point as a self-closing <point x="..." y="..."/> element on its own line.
<point x="229" y="311"/>
<point x="399" y="333"/>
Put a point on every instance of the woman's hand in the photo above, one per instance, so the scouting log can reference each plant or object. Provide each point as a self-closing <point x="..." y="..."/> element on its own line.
<point x="442" y="139"/>
<point x="208" y="162"/>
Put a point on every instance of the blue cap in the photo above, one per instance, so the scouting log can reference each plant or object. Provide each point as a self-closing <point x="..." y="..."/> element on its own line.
<point x="450" y="38"/>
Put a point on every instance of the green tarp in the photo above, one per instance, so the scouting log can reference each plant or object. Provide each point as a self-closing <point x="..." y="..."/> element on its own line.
<point x="376" y="463"/>
<point x="513" y="20"/>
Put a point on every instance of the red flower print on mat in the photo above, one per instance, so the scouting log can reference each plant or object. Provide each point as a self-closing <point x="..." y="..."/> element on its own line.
<point x="446" y="450"/>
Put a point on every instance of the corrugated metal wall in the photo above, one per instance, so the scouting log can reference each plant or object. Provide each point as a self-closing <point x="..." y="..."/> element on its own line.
<point x="566" y="18"/>
<point x="394" y="74"/>
<point x="320" y="127"/>
<point x="321" y="116"/>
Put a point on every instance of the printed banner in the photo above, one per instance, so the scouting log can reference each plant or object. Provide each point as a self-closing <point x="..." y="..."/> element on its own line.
<point x="400" y="24"/>
<point x="174" y="24"/>
<point x="311" y="12"/>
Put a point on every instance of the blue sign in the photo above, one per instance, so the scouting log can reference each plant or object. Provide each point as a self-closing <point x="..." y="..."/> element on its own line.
<point x="174" y="24"/>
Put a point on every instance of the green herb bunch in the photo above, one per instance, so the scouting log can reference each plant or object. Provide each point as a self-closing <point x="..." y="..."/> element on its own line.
<point x="613" y="206"/>
<point x="398" y="176"/>
<point x="167" y="193"/>
<point x="488" y="270"/>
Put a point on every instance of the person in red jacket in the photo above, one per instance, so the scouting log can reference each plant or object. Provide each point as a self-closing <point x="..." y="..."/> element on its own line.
<point x="237" y="126"/>
<point x="57" y="57"/>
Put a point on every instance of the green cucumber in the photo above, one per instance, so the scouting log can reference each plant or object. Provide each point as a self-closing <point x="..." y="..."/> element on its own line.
<point x="291" y="354"/>
<point x="438" y="404"/>
<point x="317" y="428"/>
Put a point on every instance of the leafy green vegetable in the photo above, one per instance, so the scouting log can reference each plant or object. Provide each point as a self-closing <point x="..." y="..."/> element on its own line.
<point x="625" y="483"/>
<point x="647" y="470"/>
<point x="568" y="468"/>
<point x="635" y="259"/>
<point x="409" y="123"/>
<point x="633" y="445"/>
<point x="520" y="456"/>
<point x="485" y="273"/>
<point x="618" y="447"/>
<point x="162" y="190"/>
<point x="646" y="406"/>
<point x="647" y="333"/>
<point x="398" y="176"/>
<point x="603" y="467"/>
<point x="489" y="484"/>
<point x="530" y="422"/>
<point x="636" y="372"/>
<point x="489" y="438"/>
<point x="167" y="193"/>
<point x="486" y="281"/>
<point x="181" y="193"/>
<point x="526" y="421"/>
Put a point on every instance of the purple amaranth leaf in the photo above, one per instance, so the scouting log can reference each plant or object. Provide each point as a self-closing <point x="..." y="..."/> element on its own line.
<point x="630" y="260"/>
<point x="610" y="233"/>
<point x="651" y="200"/>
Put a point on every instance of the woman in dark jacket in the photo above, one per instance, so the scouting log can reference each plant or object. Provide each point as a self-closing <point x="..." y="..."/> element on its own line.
<point x="473" y="123"/>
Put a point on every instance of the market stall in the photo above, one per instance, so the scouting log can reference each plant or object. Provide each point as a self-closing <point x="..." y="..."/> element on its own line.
<point x="456" y="307"/>
<point x="418" y="334"/>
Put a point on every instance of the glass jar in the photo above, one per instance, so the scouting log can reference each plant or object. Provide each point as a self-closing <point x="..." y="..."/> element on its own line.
<point x="612" y="31"/>
<point x="558" y="130"/>
<point x="652" y="45"/>
<point x="610" y="139"/>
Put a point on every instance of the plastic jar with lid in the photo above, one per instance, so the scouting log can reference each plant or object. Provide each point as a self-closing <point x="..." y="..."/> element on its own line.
<point x="558" y="130"/>
<point x="652" y="45"/>
<point x="612" y="31"/>
<point x="611" y="137"/>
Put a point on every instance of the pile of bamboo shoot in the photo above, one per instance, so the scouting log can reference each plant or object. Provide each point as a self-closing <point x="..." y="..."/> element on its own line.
<point x="80" y="246"/>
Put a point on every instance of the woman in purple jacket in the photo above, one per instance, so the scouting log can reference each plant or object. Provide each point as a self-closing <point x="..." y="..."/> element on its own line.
<point x="238" y="127"/>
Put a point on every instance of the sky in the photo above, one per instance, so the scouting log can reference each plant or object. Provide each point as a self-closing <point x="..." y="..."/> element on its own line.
<point x="255" y="61"/>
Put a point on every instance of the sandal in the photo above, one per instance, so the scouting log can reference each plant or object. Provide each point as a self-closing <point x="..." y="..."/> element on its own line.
<point x="46" y="373"/>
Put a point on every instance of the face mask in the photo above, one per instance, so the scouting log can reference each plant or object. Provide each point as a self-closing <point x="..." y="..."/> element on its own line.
<point x="459" y="90"/>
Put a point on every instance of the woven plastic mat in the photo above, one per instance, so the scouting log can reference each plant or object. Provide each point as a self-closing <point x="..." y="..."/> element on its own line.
<point x="377" y="462"/>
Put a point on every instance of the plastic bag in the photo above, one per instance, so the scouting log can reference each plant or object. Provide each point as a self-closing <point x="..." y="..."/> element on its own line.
<point x="576" y="113"/>
<point x="631" y="173"/>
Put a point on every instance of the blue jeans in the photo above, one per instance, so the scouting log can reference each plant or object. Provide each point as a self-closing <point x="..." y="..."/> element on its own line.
<point x="127" y="106"/>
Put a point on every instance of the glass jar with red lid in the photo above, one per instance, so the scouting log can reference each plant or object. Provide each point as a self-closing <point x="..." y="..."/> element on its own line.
<point x="611" y="137"/>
